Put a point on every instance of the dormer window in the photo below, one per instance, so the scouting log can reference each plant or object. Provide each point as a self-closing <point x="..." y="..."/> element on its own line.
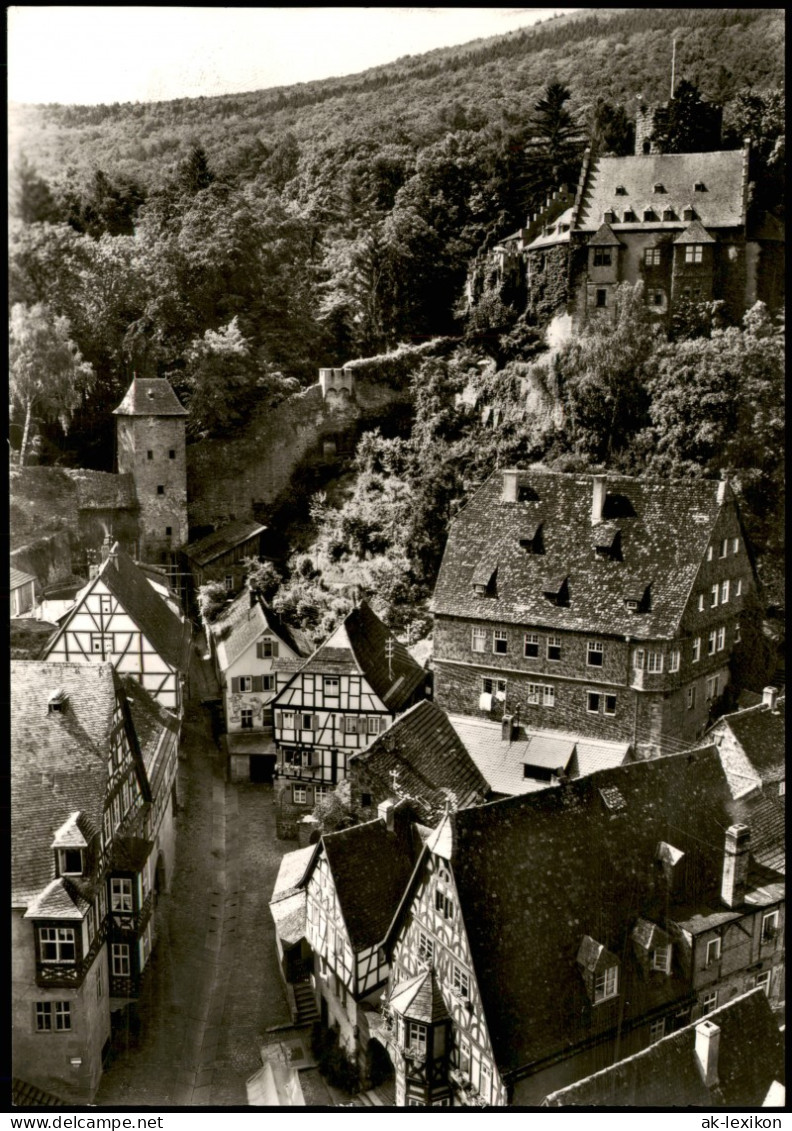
<point x="532" y="542"/>
<point x="659" y="188"/>
<point x="661" y="959"/>
<point x="629" y="216"/>
<point x="70" y="861"/>
<point x="600" y="970"/>
<point x="556" y="590"/>
<point x="56" y="704"/>
<point x="688" y="213"/>
<point x="607" y="541"/>
<point x="699" y="187"/>
<point x="631" y="605"/>
<point x="606" y="984"/>
<point x="609" y="217"/>
<point x="621" y="190"/>
<point x="669" y="214"/>
<point x="485" y="580"/>
<point x="649" y="214"/>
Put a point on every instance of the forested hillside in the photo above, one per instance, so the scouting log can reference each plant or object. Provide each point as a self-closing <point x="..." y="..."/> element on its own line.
<point x="235" y="244"/>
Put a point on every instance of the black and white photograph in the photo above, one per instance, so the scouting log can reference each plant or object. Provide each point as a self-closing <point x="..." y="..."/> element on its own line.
<point x="397" y="562"/>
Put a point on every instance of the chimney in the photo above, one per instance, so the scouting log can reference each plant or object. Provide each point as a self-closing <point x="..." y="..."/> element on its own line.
<point x="735" y="865"/>
<point x="722" y="485"/>
<point x="106" y="547"/>
<point x="707" y="1047"/>
<point x="598" y="497"/>
<point x="510" y="486"/>
<point x="769" y="697"/>
<point x="385" y="813"/>
<point x="508" y="728"/>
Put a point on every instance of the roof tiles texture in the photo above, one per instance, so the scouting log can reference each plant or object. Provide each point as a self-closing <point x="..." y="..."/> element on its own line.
<point x="719" y="206"/>
<point x="220" y="541"/>
<point x="649" y="514"/>
<point x="761" y="733"/>
<point x="19" y="578"/>
<point x="750" y="1059"/>
<point x="535" y="874"/>
<point x="243" y="622"/>
<point x="428" y="758"/>
<point x="58" y="761"/>
<point x="150" y="396"/>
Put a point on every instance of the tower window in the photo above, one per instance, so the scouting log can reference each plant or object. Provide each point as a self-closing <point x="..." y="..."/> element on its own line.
<point x="149" y="455"/>
<point x="602" y="257"/>
<point x="172" y="454"/>
<point x="160" y="489"/>
<point x="168" y="531"/>
<point x="602" y="298"/>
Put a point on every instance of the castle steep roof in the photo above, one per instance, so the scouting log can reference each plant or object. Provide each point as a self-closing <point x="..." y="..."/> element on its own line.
<point x="720" y="205"/>
<point x="150" y="396"/>
<point x="664" y="526"/>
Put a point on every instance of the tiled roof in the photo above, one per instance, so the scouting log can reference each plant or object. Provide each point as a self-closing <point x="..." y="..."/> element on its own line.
<point x="649" y="513"/>
<point x="290" y="915"/>
<point x="291" y="872"/>
<point x="19" y="578"/>
<point x="99" y="490"/>
<point x="431" y="764"/>
<point x="501" y="763"/>
<point x="761" y="733"/>
<point x="151" y="722"/>
<point x="58" y="900"/>
<point x="750" y="1058"/>
<point x="694" y="233"/>
<point x="720" y="206"/>
<point x="241" y="624"/>
<point x="58" y="761"/>
<point x="150" y="396"/>
<point x="537" y="873"/>
<point x="158" y="622"/>
<point x="604" y="237"/>
<point x="359" y="645"/>
<point x="370" y="868"/>
<point x="220" y="541"/>
<point x="419" y="999"/>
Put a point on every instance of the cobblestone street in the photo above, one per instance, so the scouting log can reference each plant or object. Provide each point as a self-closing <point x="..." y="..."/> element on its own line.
<point x="213" y="988"/>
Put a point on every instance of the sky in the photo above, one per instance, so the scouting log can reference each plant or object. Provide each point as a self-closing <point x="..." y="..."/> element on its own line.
<point x="81" y="55"/>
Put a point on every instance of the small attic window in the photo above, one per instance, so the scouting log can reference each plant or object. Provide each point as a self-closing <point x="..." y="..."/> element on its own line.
<point x="607" y="542"/>
<point x="532" y="541"/>
<point x="526" y="494"/>
<point x="56" y="704"/>
<point x="556" y="590"/>
<point x="609" y="217"/>
<point x="70" y="861"/>
<point x="699" y="186"/>
<point x="649" y="214"/>
<point x="614" y="802"/>
<point x="484" y="581"/>
<point x="629" y="216"/>
<point x="669" y="214"/>
<point x="659" y="188"/>
<point x="688" y="213"/>
<point x="621" y="190"/>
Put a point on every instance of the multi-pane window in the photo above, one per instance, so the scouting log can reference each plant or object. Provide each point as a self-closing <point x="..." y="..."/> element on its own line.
<point x="606" y="983"/>
<point x="610" y="704"/>
<point x="657" y="1030"/>
<point x="332" y="686"/>
<point x="321" y="791"/>
<point x="478" y="642"/>
<point x="709" y="1001"/>
<point x="673" y="660"/>
<point x="464" y="1055"/>
<point x="120" y="894"/>
<point x="593" y="702"/>
<point x="461" y="982"/>
<point x="713" y="951"/>
<point x="602" y="257"/>
<point x="500" y="641"/>
<point x="541" y="694"/>
<point x="694" y="252"/>
<point x="416" y="1036"/>
<point x="531" y="645"/>
<point x="444" y="904"/>
<point x="299" y="794"/>
<point x="691" y="698"/>
<point x="425" y="947"/>
<point x="712" y="640"/>
<point x="725" y="593"/>
<point x="652" y="256"/>
<point x="246" y="718"/>
<point x="595" y="652"/>
<point x="762" y="982"/>
<point x="229" y="582"/>
<point x="554" y="647"/>
<point x="661" y="959"/>
<point x="53" y="1015"/>
<point x="119" y="956"/>
<point x="57" y="944"/>
<point x="350" y="724"/>
<point x="721" y="638"/>
<point x="654" y="662"/>
<point x="696" y="649"/>
<point x="769" y="926"/>
<point x="494" y="687"/>
<point x="373" y="724"/>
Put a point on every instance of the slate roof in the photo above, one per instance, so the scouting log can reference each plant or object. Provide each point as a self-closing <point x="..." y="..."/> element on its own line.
<point x="653" y="551"/>
<point x="18" y="578"/>
<point x="720" y="206"/>
<point x="419" y="999"/>
<point x="431" y="762"/>
<point x="150" y="719"/>
<point x="159" y="623"/>
<point x="750" y="1059"/>
<point x="535" y="874"/>
<point x="761" y="733"/>
<point x="358" y="645"/>
<point x="100" y="490"/>
<point x="694" y="233"/>
<point x="205" y="550"/>
<point x="370" y="868"/>
<point x="241" y="624"/>
<point x="150" y="396"/>
<point x="501" y="763"/>
<point x="58" y="761"/>
<point x="604" y="237"/>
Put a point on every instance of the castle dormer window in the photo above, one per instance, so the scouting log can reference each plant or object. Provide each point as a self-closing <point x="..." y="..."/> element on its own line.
<point x="532" y="541"/>
<point x="609" y="217"/>
<point x="607" y="541"/>
<point x="669" y="214"/>
<point x="659" y="188"/>
<point x="649" y="214"/>
<point x="629" y="216"/>
<point x="699" y="187"/>
<point x="621" y="190"/>
<point x="485" y="579"/>
<point x="70" y="861"/>
<point x="688" y="213"/>
<point x="556" y="590"/>
<point x="57" y="702"/>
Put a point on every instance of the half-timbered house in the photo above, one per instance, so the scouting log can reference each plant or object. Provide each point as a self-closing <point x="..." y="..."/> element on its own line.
<point x="348" y="692"/>
<point x="93" y="791"/>
<point x="120" y="618"/>
<point x="598" y="605"/>
<point x="255" y="655"/>
<point x="560" y="930"/>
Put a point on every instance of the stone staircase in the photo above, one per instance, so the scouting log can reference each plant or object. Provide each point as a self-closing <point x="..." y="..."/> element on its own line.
<point x="307" y="1012"/>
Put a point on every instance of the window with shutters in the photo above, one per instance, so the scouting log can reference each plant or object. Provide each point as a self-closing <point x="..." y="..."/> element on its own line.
<point x="350" y="724"/>
<point x="373" y="724"/>
<point x="246" y="683"/>
<point x="332" y="686"/>
<point x="267" y="649"/>
<point x="299" y="795"/>
<point x="307" y="722"/>
<point x="287" y="720"/>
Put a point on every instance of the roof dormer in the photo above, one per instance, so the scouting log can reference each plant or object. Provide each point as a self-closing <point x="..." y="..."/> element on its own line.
<point x="485" y="579"/>
<point x="531" y="540"/>
<point x="69" y="846"/>
<point x="57" y="701"/>
<point x="556" y="589"/>
<point x="658" y="187"/>
<point x="607" y="541"/>
<point x="600" y="970"/>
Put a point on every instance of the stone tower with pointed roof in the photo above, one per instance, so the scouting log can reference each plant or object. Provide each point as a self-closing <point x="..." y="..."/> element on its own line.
<point x="151" y="445"/>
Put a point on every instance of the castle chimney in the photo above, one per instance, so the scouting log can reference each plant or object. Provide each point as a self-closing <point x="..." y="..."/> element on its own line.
<point x="722" y="485"/>
<point x="770" y="697"/>
<point x="510" y="485"/>
<point x="385" y="812"/>
<point x="508" y="728"/>
<point x="735" y="865"/>
<point x="598" y="497"/>
<point x="707" y="1048"/>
